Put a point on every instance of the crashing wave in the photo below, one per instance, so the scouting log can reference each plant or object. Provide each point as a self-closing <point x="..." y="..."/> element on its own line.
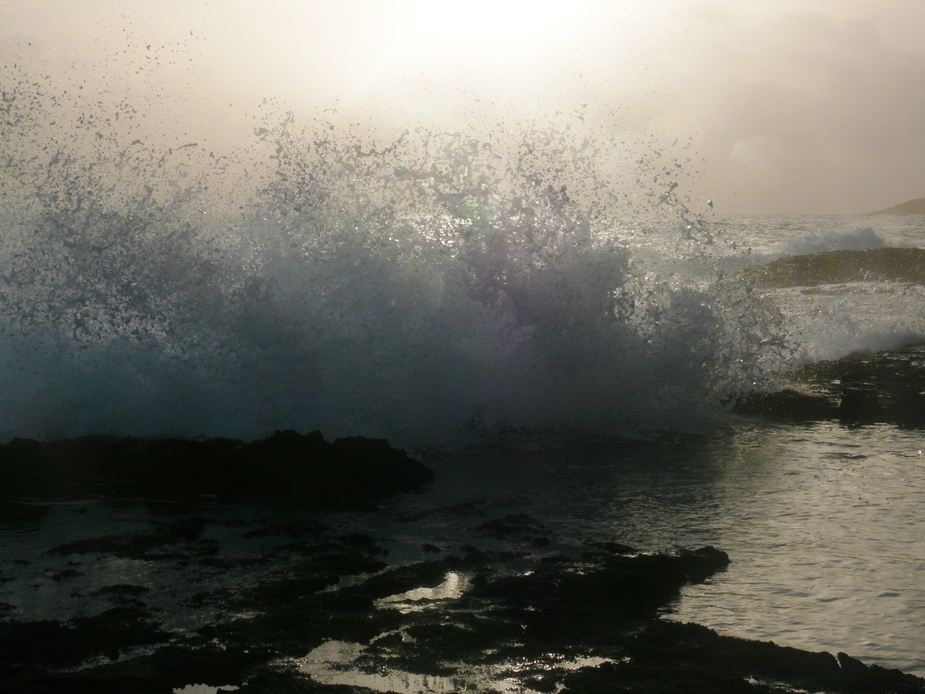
<point x="432" y="287"/>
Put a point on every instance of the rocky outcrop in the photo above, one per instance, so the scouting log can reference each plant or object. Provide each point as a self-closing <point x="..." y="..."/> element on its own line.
<point x="347" y="471"/>
<point x="910" y="207"/>
<point x="839" y="267"/>
<point x="860" y="388"/>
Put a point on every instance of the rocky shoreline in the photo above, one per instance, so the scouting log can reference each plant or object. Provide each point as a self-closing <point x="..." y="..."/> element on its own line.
<point x="277" y="601"/>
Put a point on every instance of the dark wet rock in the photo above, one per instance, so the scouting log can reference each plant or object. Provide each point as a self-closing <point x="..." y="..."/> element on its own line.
<point x="470" y="554"/>
<point x="613" y="547"/>
<point x="320" y="566"/>
<point x="346" y="554"/>
<point x="201" y="599"/>
<point x="121" y="590"/>
<point x="786" y="406"/>
<point x="141" y="545"/>
<point x="171" y="666"/>
<point x="519" y="527"/>
<point x="304" y="569"/>
<point x="860" y="388"/>
<point x="294" y="529"/>
<point x="688" y="658"/>
<point x="296" y="585"/>
<point x="579" y="602"/>
<point x="906" y="408"/>
<point x="342" y="473"/>
<point x="430" y="549"/>
<point x="31" y="648"/>
<point x="860" y="407"/>
<point x="66" y="574"/>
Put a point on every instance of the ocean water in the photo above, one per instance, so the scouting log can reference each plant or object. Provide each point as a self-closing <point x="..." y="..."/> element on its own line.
<point x="823" y="524"/>
<point x="550" y="336"/>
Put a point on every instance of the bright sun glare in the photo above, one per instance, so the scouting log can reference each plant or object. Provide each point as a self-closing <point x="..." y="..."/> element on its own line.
<point x="490" y="30"/>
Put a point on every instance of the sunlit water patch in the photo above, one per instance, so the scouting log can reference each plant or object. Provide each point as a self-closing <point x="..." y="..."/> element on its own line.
<point x="453" y="586"/>
<point x="827" y="529"/>
<point x="336" y="662"/>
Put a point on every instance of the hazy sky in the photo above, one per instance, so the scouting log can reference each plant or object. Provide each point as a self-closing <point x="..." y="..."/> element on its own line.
<point x="794" y="106"/>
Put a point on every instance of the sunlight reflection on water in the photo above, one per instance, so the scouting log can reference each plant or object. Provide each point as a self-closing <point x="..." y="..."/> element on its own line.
<point x="335" y="662"/>
<point x="823" y="524"/>
<point x="453" y="586"/>
<point x="827" y="546"/>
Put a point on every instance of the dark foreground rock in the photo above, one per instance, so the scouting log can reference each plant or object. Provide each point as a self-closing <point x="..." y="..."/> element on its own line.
<point x="583" y="619"/>
<point x="675" y="658"/>
<point x="347" y="471"/>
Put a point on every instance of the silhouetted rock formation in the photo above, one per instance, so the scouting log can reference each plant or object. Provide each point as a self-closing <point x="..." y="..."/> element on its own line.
<point x="861" y="388"/>
<point x="787" y="406"/>
<point x="675" y="658"/>
<point x="860" y="407"/>
<point x="285" y="464"/>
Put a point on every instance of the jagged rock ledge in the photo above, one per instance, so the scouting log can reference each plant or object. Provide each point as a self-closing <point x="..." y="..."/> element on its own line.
<point x="285" y="464"/>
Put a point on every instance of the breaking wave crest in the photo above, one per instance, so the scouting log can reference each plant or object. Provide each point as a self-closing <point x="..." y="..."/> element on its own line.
<point x="438" y="287"/>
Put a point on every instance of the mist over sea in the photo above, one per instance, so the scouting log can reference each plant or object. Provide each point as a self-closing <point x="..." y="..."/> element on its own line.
<point x="543" y="311"/>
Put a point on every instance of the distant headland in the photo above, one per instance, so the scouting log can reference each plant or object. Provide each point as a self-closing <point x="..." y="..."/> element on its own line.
<point x="910" y="207"/>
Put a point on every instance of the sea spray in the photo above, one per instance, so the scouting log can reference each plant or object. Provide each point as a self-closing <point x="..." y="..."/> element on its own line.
<point x="436" y="286"/>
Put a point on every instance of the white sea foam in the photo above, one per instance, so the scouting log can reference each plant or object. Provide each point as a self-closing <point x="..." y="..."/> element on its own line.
<point x="828" y="240"/>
